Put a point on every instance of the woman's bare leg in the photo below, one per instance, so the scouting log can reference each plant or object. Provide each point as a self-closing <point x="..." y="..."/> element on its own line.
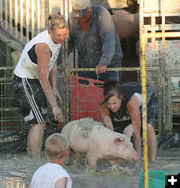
<point x="34" y="142"/>
<point x="152" y="142"/>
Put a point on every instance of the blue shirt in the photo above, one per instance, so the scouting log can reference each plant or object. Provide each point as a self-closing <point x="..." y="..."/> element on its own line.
<point x="100" y="45"/>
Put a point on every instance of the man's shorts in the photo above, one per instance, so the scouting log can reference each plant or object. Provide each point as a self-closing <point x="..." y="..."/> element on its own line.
<point x="30" y="99"/>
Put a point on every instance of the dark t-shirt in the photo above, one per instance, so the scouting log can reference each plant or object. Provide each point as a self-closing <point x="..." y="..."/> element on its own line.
<point x="100" y="44"/>
<point x="128" y="90"/>
<point x="122" y="119"/>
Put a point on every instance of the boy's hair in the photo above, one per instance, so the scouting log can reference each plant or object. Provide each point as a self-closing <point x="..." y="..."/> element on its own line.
<point x="56" y="146"/>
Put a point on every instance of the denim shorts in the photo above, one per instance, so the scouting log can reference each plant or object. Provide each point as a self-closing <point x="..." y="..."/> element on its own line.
<point x="30" y="98"/>
<point x="152" y="106"/>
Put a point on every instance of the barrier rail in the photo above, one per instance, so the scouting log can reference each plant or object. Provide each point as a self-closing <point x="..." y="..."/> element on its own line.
<point x="23" y="19"/>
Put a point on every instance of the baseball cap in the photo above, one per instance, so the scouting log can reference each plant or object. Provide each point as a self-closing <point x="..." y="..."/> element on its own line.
<point x="80" y="7"/>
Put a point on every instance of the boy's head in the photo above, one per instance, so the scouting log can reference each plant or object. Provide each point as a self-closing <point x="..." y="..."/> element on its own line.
<point x="56" y="146"/>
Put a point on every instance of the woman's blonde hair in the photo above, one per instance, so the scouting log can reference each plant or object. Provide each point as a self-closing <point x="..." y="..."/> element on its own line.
<point x="57" y="21"/>
<point x="56" y="146"/>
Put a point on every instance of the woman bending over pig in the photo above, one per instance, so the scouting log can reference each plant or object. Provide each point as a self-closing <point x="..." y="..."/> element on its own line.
<point x="122" y="104"/>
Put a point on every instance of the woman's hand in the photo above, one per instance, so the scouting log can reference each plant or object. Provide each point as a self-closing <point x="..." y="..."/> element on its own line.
<point x="108" y="123"/>
<point x="58" y="116"/>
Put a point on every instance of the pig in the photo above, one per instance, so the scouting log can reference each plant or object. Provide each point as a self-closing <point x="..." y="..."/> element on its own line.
<point x="127" y="24"/>
<point x="127" y="28"/>
<point x="98" y="142"/>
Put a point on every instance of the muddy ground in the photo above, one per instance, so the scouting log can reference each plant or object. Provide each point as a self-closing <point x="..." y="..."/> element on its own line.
<point x="16" y="171"/>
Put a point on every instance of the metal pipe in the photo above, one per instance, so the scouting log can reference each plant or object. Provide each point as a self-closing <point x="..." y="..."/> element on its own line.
<point x="32" y="18"/>
<point x="1" y="11"/>
<point x="27" y="20"/>
<point x="10" y="16"/>
<point x="6" y="15"/>
<point x="21" y="21"/>
<point x="159" y="35"/>
<point x="144" y="105"/>
<point x="115" y="69"/>
<point x="38" y="15"/>
<point x="16" y="17"/>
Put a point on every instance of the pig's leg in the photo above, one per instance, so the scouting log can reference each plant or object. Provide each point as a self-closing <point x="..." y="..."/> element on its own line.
<point x="92" y="159"/>
<point x="78" y="156"/>
<point x="128" y="131"/>
<point x="112" y="161"/>
<point x="152" y="142"/>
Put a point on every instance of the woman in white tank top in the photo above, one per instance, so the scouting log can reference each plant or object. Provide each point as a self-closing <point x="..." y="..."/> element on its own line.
<point x="35" y="80"/>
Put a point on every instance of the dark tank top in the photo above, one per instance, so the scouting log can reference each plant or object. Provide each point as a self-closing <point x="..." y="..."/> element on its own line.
<point x="122" y="119"/>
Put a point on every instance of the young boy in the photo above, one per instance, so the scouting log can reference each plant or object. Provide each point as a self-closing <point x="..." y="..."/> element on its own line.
<point x="52" y="174"/>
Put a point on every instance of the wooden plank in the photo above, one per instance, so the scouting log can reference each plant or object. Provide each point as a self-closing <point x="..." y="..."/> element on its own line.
<point x="11" y="42"/>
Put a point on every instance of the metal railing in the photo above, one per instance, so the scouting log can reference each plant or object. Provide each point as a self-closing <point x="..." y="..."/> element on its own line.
<point x="22" y="19"/>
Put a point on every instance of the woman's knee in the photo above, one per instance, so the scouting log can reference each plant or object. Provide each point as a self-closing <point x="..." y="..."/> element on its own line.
<point x="150" y="129"/>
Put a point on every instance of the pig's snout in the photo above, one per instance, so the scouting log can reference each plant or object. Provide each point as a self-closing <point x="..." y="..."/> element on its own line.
<point x="134" y="156"/>
<point x="137" y="158"/>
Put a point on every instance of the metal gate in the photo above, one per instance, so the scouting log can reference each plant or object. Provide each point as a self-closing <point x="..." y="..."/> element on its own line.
<point x="160" y="30"/>
<point x="159" y="25"/>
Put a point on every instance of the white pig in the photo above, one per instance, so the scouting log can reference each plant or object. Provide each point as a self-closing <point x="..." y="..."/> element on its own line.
<point x="98" y="142"/>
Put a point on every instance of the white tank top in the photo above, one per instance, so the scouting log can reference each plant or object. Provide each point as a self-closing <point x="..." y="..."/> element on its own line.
<point x="47" y="175"/>
<point x="25" y="67"/>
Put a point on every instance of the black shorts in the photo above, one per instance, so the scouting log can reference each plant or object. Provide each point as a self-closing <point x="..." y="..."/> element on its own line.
<point x="30" y="99"/>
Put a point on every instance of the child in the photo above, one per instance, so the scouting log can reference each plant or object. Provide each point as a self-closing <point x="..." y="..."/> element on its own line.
<point x="52" y="174"/>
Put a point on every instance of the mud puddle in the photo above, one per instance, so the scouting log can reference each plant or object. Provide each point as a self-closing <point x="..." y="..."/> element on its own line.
<point x="16" y="171"/>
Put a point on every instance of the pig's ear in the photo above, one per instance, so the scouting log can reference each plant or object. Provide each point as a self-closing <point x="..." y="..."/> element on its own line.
<point x="118" y="140"/>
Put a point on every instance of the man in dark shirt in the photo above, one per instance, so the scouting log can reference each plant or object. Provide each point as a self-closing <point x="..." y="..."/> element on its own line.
<point x="93" y="34"/>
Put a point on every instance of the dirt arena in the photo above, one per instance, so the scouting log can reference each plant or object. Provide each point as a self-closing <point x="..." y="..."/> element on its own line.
<point x="16" y="171"/>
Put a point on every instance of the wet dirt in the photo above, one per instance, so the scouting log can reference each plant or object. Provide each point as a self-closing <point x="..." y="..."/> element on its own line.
<point x="16" y="170"/>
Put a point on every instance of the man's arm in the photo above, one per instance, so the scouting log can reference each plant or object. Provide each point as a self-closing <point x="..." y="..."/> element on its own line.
<point x="108" y="35"/>
<point x="72" y="22"/>
<point x="70" y="44"/>
<point x="43" y="57"/>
